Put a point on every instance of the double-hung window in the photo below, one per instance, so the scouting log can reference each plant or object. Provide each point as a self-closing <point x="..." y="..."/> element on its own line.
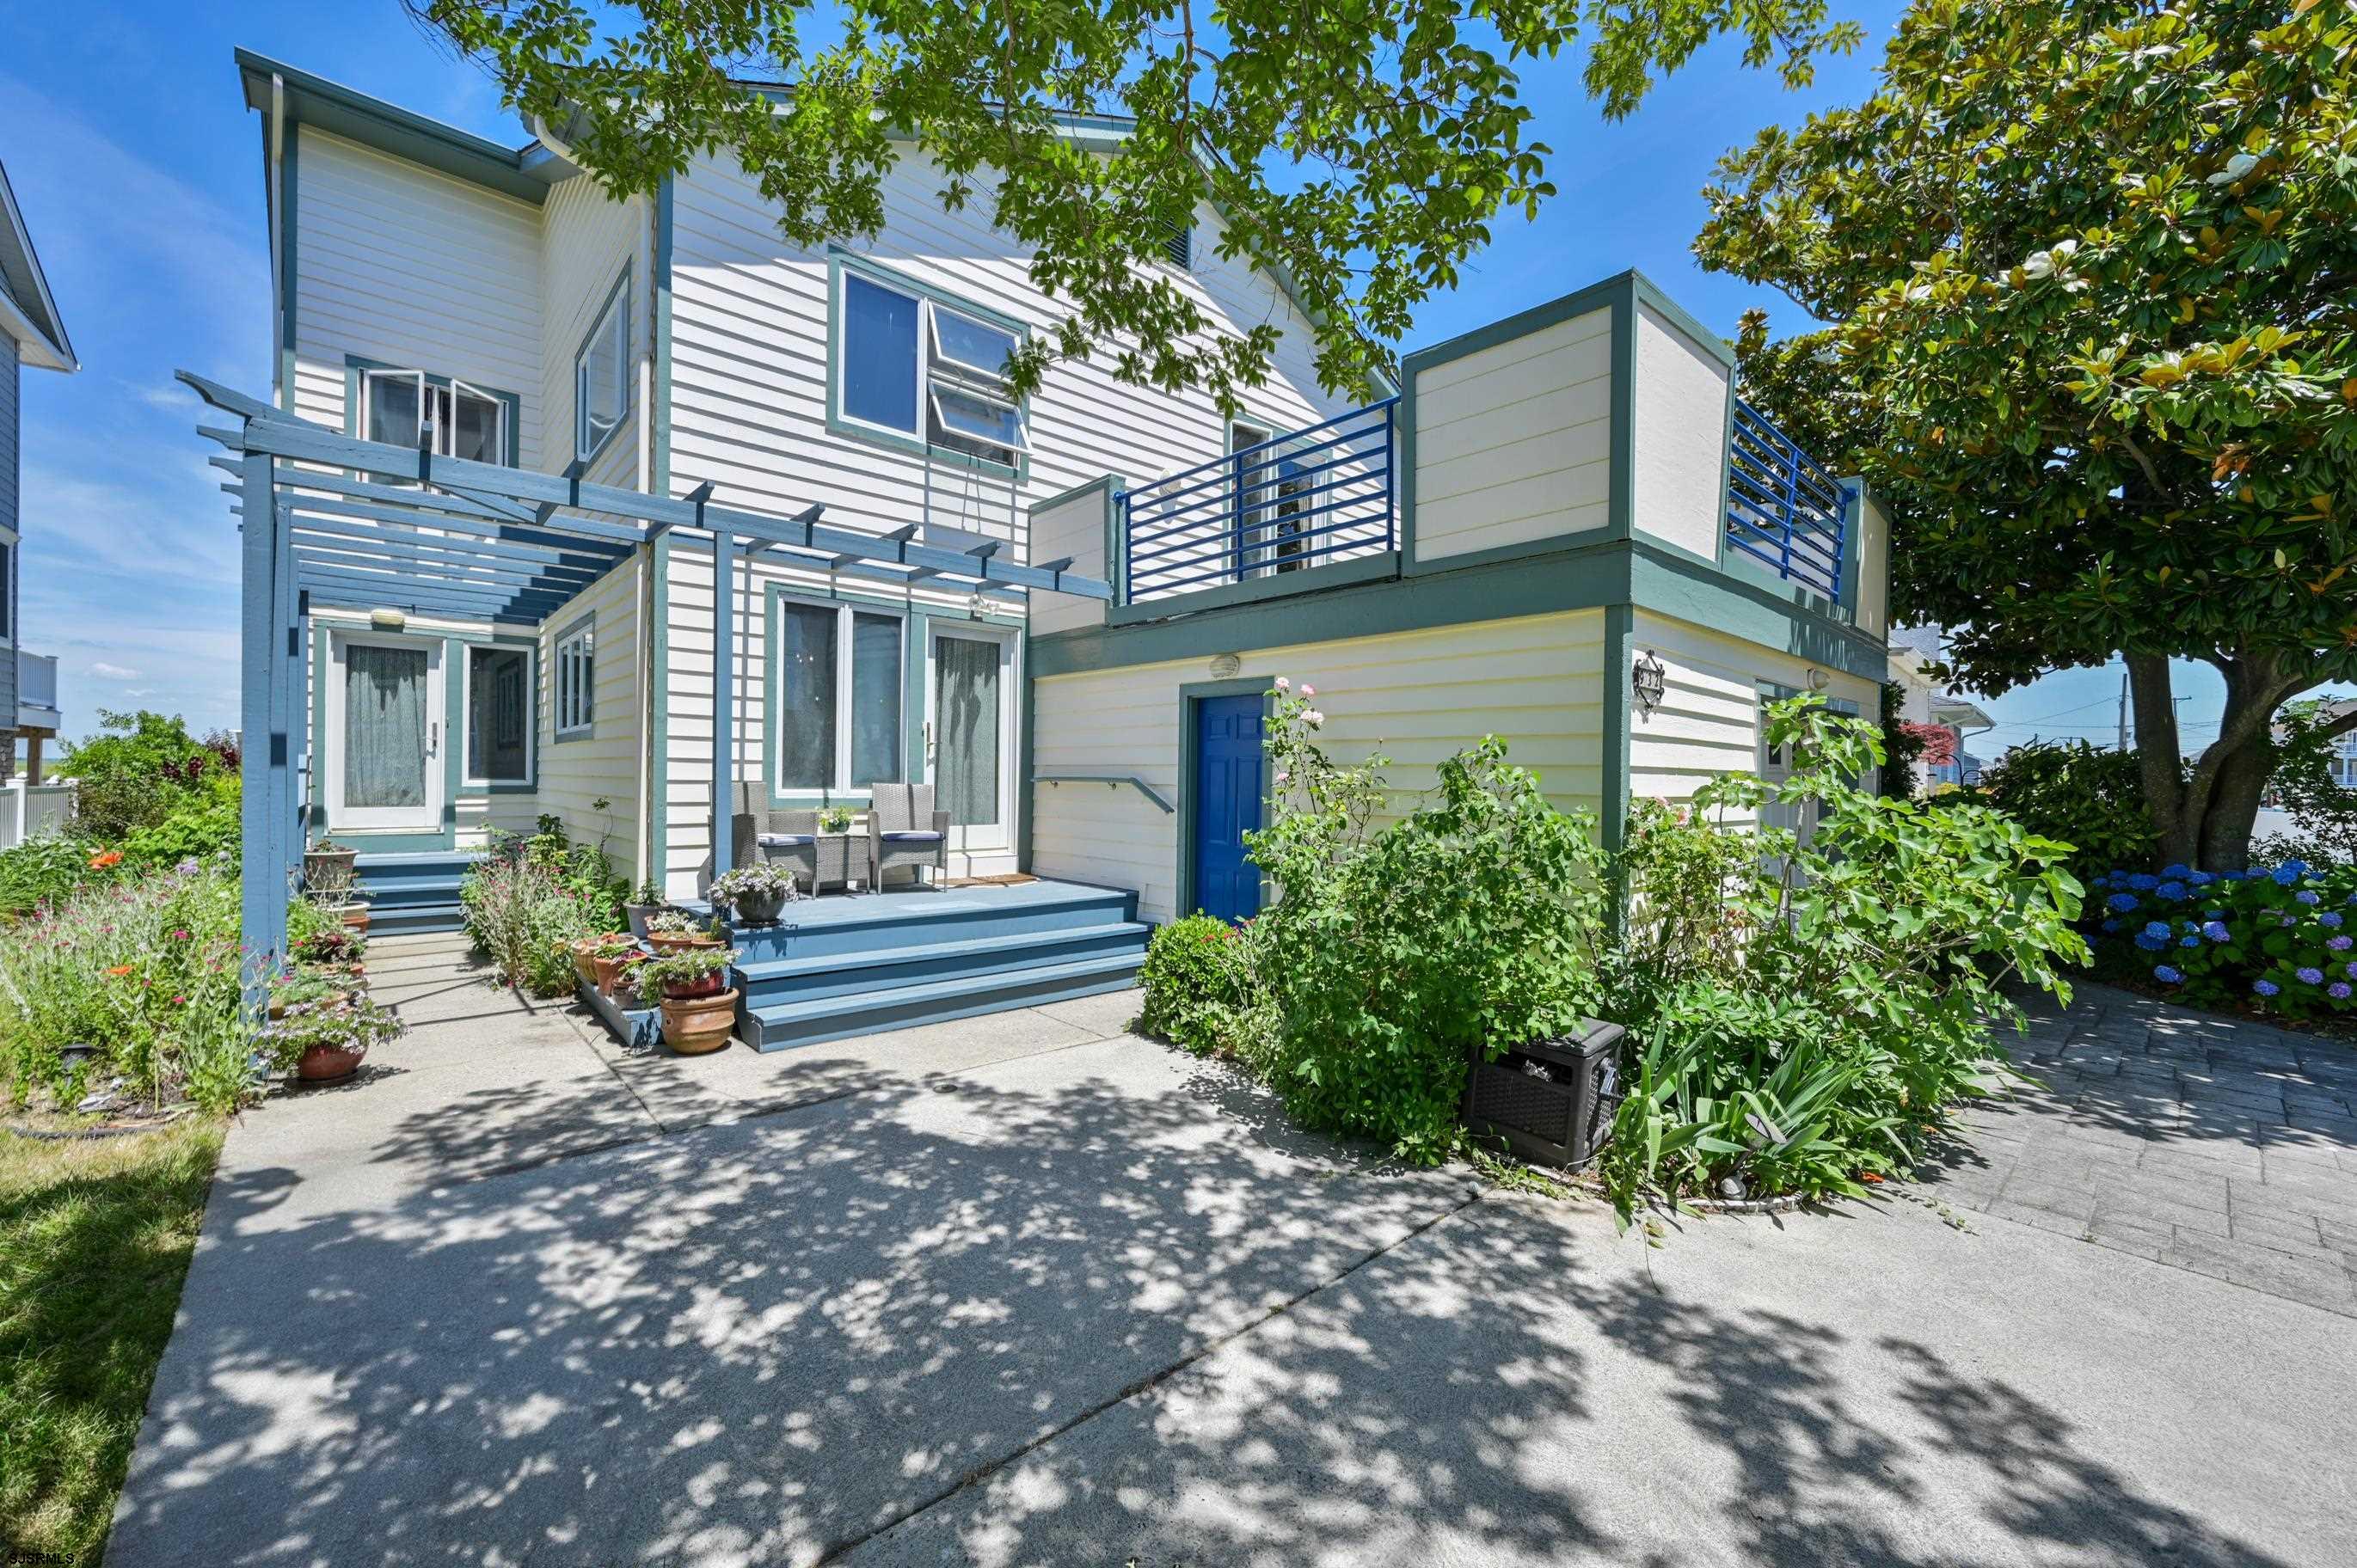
<point x="602" y="384"/>
<point x="450" y="419"/>
<point x="577" y="672"/>
<point x="838" y="686"/>
<point x="916" y="366"/>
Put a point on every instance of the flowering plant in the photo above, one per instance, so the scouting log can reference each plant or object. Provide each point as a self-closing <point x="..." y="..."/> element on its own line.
<point x="2281" y="938"/>
<point x="759" y="879"/>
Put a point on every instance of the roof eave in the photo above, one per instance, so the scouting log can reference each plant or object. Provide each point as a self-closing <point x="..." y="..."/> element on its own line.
<point x="41" y="342"/>
<point x="356" y="116"/>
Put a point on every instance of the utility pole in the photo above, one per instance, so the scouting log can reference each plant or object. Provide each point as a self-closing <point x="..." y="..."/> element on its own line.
<point x="2124" y="710"/>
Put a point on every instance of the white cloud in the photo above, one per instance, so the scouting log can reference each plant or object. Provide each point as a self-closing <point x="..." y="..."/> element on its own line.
<point x="113" y="672"/>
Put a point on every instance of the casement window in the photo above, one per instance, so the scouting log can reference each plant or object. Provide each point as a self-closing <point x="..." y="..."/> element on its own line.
<point x="915" y="367"/>
<point x="449" y="418"/>
<point x="838" y="681"/>
<point x="577" y="674"/>
<point x="498" y="715"/>
<point x="601" y="375"/>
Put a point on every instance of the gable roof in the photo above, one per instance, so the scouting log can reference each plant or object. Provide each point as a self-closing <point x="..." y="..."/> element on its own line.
<point x="28" y="312"/>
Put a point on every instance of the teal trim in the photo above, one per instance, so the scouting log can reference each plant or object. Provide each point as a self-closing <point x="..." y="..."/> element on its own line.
<point x="659" y="481"/>
<point x="454" y="766"/>
<point x="1191" y="697"/>
<point x="1620" y="502"/>
<point x="374" y="123"/>
<point x="1684" y="587"/>
<point x="316" y="783"/>
<point x="558" y="734"/>
<point x="1377" y="568"/>
<point x="840" y="261"/>
<point x="622" y="290"/>
<point x="1612" y="791"/>
<point x="356" y="365"/>
<point x="658" y="722"/>
<point x="286" y="232"/>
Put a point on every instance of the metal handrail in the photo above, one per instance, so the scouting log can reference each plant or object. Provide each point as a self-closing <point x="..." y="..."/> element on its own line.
<point x="1783" y="509"/>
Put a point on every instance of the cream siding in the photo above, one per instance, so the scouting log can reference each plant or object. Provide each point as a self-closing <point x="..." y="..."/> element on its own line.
<point x="1873" y="597"/>
<point x="1513" y="442"/>
<point x="405" y="266"/>
<point x="1708" y="723"/>
<point x="1418" y="697"/>
<point x="586" y="241"/>
<point x="1074" y="526"/>
<point x="575" y="773"/>
<point x="1680" y="446"/>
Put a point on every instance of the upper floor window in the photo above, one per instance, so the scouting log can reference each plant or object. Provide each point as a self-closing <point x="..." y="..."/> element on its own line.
<point x="449" y="418"/>
<point x="602" y="384"/>
<point x="576" y="670"/>
<point x="1178" y="246"/>
<point x="914" y="366"/>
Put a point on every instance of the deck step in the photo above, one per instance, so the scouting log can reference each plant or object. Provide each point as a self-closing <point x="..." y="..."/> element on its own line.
<point x="814" y="1020"/>
<point x="769" y="981"/>
<point x="412" y="891"/>
<point x="915" y="919"/>
<point x="406" y="919"/>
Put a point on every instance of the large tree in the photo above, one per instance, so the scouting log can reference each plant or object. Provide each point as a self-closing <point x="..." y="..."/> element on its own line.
<point x="2089" y="268"/>
<point x="1361" y="146"/>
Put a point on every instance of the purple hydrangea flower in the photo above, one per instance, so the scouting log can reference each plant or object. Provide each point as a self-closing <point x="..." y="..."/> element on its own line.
<point x="2338" y="944"/>
<point x="2330" y="918"/>
<point x="2216" y="931"/>
<point x="2307" y="976"/>
<point x="2338" y="991"/>
<point x="2165" y="974"/>
<point x="2289" y="872"/>
<point x="2265" y="987"/>
<point x="2156" y="928"/>
<point x="2190" y="939"/>
<point x="2149" y="942"/>
<point x="2172" y="891"/>
<point x="2111" y="925"/>
<point x="2123" y="902"/>
<point x="2176" y="868"/>
<point x="2308" y="897"/>
<point x="2143" y="881"/>
<point x="2201" y="878"/>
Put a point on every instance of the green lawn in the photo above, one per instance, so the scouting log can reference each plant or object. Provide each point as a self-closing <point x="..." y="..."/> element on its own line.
<point x="95" y="1241"/>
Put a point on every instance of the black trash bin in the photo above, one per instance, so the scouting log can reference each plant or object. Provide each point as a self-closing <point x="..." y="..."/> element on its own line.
<point x="1552" y="1101"/>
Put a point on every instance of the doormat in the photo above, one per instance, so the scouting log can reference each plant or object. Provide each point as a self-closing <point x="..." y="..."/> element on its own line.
<point x="1004" y="879"/>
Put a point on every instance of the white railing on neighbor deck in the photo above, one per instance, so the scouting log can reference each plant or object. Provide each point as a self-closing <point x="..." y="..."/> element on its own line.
<point x="33" y="810"/>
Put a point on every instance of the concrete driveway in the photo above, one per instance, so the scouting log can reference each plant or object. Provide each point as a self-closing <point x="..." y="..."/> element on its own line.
<point x="1028" y="1289"/>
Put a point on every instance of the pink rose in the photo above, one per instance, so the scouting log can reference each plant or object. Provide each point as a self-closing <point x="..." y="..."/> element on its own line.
<point x="1283" y="684"/>
<point x="1308" y="690"/>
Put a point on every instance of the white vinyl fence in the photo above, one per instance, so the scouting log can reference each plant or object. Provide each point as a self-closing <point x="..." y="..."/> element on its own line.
<point x="33" y="810"/>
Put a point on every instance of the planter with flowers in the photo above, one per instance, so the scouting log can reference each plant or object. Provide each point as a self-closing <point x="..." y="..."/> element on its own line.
<point x="321" y="1042"/>
<point x="699" y="1007"/>
<point x="755" y="893"/>
<point x="331" y="946"/>
<point x="327" y="867"/>
<point x="645" y="902"/>
<point x="606" y="954"/>
<point x="675" y="930"/>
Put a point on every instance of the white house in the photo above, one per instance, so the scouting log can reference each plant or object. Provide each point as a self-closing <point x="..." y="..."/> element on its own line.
<point x="1564" y="528"/>
<point x="32" y="335"/>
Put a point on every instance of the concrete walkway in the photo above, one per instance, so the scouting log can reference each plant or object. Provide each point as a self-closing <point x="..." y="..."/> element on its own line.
<point x="1027" y="1289"/>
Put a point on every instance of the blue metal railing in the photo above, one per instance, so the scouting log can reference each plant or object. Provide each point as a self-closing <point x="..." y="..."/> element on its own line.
<point x="1321" y="493"/>
<point x="1784" y="510"/>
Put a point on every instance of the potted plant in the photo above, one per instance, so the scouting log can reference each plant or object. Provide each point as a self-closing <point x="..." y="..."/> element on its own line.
<point x="584" y="969"/>
<point x="646" y="901"/>
<point x="755" y="892"/>
<point x="306" y="987"/>
<point x="605" y="953"/>
<point x="327" y="867"/>
<point x="835" y="820"/>
<point x="630" y="993"/>
<point x="323" y="1044"/>
<point x="675" y="930"/>
<point x="333" y="946"/>
<point x="699" y="1009"/>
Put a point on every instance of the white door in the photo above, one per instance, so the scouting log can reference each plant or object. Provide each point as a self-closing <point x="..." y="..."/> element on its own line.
<point x="383" y="745"/>
<point x="970" y="735"/>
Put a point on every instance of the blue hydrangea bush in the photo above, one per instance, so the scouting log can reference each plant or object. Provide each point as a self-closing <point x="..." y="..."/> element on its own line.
<point x="2280" y="938"/>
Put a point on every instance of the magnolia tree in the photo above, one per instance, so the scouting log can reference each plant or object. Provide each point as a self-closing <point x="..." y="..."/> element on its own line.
<point x="1362" y="147"/>
<point x="2089" y="276"/>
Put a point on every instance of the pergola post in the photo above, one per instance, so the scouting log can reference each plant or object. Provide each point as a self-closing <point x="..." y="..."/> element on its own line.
<point x="724" y="700"/>
<point x="263" y="822"/>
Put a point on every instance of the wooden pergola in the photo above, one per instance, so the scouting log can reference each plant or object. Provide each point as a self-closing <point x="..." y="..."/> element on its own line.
<point x="364" y="526"/>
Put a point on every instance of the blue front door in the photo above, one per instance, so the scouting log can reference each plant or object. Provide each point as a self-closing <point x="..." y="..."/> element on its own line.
<point x="1227" y="792"/>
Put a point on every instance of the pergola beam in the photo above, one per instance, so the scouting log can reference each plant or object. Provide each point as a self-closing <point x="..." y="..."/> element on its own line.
<point x="584" y="569"/>
<point x="348" y="588"/>
<point x="421" y="568"/>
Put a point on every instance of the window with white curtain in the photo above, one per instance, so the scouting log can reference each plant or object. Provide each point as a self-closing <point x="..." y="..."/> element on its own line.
<point x="449" y="418"/>
<point x="915" y="366"/>
<point x="839" y="669"/>
<point x="577" y="672"/>
<point x="601" y="383"/>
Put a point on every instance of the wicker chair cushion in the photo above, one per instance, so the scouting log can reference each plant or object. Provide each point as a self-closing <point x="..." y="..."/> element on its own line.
<point x="910" y="837"/>
<point x="786" y="840"/>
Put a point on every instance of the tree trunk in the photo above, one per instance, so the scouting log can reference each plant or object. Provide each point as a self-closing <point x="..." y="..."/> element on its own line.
<point x="2226" y="826"/>
<point x="2177" y="820"/>
<point x="2205" y="815"/>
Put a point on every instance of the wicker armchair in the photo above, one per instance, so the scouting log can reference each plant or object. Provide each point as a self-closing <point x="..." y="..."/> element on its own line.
<point x="785" y="838"/>
<point x="905" y="832"/>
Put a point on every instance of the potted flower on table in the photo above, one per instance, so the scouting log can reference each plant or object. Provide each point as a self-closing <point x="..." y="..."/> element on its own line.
<point x="699" y="1007"/>
<point x="755" y="892"/>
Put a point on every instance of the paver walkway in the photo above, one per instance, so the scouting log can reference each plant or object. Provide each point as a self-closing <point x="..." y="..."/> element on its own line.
<point x="1028" y="1289"/>
<point x="2204" y="1142"/>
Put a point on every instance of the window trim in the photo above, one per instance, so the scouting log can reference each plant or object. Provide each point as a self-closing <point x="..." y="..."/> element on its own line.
<point x="581" y="626"/>
<point x="840" y="264"/>
<point x="844" y="607"/>
<point x="617" y="304"/>
<point x="357" y="369"/>
<point x="466" y="778"/>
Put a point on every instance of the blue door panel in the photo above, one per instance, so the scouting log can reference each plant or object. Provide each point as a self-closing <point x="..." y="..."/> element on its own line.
<point x="1227" y="764"/>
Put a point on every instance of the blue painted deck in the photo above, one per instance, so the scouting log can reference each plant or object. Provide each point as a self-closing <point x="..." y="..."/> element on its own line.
<point x="413" y="892"/>
<point x="856" y="964"/>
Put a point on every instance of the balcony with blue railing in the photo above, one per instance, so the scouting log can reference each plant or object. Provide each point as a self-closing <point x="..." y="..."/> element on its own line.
<point x="1784" y="510"/>
<point x="1309" y="498"/>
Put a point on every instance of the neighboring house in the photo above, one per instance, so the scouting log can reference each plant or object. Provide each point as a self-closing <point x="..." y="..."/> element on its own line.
<point x="32" y="335"/>
<point x="1939" y="716"/>
<point x="1062" y="613"/>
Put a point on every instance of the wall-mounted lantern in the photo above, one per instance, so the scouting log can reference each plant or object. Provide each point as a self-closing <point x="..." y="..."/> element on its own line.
<point x="1650" y="681"/>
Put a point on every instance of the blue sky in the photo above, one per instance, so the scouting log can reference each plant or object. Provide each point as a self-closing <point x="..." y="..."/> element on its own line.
<point x="138" y="167"/>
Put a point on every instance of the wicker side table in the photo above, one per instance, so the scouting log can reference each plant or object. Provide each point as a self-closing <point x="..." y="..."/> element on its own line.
<point x="834" y="862"/>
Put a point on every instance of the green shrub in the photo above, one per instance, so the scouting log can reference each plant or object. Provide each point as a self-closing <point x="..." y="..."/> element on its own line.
<point x="1472" y="923"/>
<point x="523" y="916"/>
<point x="1197" y="977"/>
<point x="204" y="824"/>
<point x="2282" y="941"/>
<point x="46" y="870"/>
<point x="139" y="770"/>
<point x="1803" y="1014"/>
<point x="2077" y="795"/>
<point x="148" y="970"/>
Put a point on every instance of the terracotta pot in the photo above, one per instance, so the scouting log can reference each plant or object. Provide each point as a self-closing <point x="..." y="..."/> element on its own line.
<point x="582" y="964"/>
<point x="712" y="984"/>
<point x="672" y="942"/>
<point x="604" y="969"/>
<point x="326" y="1064"/>
<point x="356" y="919"/>
<point x="697" y="1026"/>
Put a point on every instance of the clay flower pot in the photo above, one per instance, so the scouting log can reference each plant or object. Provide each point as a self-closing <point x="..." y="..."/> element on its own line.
<point x="665" y="942"/>
<point x="712" y="984"/>
<point x="698" y="1025"/>
<point x="356" y="919"/>
<point x="584" y="967"/>
<point x="603" y="970"/>
<point x="326" y="1064"/>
